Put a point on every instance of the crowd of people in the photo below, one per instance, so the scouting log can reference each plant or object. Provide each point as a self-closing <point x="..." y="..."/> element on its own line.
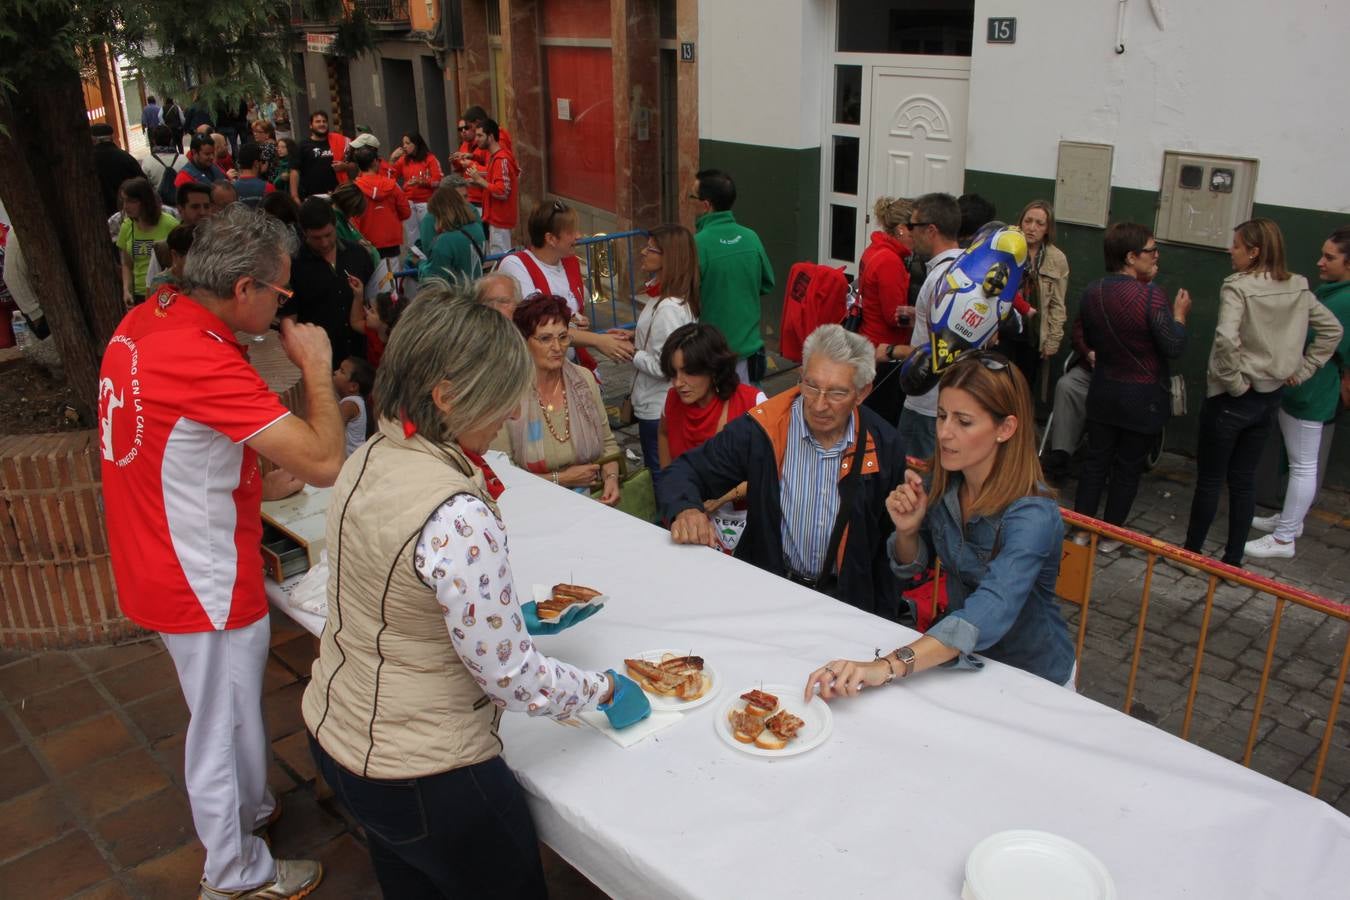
<point x="842" y="484"/>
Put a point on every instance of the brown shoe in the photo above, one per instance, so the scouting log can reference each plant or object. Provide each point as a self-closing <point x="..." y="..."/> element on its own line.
<point x="295" y="878"/>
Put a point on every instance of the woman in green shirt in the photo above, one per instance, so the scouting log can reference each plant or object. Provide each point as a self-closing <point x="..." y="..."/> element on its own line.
<point x="143" y="223"/>
<point x="1306" y="408"/>
<point x="457" y="250"/>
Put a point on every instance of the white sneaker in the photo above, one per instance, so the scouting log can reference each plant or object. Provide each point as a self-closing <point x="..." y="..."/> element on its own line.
<point x="1267" y="547"/>
<point x="1269" y="523"/>
<point x="1266" y="523"/>
<point x="1108" y="546"/>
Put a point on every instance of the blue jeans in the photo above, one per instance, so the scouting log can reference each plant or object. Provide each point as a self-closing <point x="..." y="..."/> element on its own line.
<point x="1232" y="432"/>
<point x="648" y="430"/>
<point x="918" y="434"/>
<point x="462" y="833"/>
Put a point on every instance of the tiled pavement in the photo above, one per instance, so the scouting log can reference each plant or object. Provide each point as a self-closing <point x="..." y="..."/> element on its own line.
<point x="92" y="803"/>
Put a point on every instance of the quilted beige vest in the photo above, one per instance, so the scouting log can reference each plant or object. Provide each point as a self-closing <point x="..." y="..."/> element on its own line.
<point x="389" y="697"/>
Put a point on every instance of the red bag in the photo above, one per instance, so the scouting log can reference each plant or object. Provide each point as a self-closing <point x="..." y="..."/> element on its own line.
<point x="929" y="600"/>
<point x="815" y="296"/>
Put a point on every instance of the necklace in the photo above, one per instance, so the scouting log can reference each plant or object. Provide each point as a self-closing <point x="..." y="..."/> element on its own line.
<point x="546" y="409"/>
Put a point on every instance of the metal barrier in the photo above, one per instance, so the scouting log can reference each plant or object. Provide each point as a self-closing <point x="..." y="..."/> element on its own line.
<point x="1075" y="586"/>
<point x="610" y="270"/>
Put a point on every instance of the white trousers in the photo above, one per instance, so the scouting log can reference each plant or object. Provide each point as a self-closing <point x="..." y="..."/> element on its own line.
<point x="1302" y="443"/>
<point x="412" y="226"/>
<point x="221" y="673"/>
<point x="499" y="240"/>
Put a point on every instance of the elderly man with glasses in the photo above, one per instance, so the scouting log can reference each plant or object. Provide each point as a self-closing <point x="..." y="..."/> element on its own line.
<point x="818" y="466"/>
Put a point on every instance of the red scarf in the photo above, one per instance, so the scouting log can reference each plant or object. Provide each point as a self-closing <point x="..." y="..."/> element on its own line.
<point x="689" y="426"/>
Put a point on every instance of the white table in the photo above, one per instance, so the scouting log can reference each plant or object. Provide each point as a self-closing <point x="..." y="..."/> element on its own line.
<point x="913" y="777"/>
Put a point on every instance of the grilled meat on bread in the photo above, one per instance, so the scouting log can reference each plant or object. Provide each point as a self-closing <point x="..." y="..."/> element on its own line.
<point x="784" y="724"/>
<point x="745" y="727"/>
<point x="758" y="703"/>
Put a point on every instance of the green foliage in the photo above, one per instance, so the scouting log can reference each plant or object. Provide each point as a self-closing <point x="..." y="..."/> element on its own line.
<point x="224" y="51"/>
<point x="355" y="35"/>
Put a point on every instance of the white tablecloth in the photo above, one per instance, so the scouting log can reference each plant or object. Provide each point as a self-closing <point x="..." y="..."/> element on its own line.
<point x="914" y="775"/>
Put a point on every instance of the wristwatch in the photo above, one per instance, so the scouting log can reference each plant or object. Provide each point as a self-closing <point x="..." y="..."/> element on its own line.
<point x="890" y="353"/>
<point x="905" y="656"/>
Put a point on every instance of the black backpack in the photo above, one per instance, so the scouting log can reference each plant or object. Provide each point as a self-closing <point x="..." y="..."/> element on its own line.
<point x="168" y="194"/>
<point x="173" y="116"/>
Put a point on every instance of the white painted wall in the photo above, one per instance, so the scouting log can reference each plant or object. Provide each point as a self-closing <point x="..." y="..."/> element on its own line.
<point x="759" y="71"/>
<point x="1240" y="78"/>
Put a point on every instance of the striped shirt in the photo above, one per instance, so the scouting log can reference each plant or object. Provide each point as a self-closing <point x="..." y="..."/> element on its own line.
<point x="809" y="493"/>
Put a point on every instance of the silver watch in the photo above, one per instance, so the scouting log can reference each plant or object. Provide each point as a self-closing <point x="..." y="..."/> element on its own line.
<point x="905" y="656"/>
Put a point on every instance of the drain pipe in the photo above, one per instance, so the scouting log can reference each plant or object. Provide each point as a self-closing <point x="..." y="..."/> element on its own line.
<point x="1120" y="26"/>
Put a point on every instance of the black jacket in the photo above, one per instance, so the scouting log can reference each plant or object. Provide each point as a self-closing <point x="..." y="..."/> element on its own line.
<point x="113" y="165"/>
<point x="750" y="449"/>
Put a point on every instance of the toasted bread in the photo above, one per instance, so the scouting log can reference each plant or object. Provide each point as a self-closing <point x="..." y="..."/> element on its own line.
<point x="758" y="703"/>
<point x="784" y="724"/>
<point x="551" y="608"/>
<point x="694" y="685"/>
<point x="575" y="593"/>
<point x="770" y="741"/>
<point x="744" y="727"/>
<point x="652" y="677"/>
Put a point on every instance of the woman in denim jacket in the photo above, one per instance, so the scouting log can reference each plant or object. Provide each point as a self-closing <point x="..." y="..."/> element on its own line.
<point x="996" y="530"/>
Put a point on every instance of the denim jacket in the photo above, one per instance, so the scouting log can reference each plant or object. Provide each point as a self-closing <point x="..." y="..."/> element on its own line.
<point x="1004" y="609"/>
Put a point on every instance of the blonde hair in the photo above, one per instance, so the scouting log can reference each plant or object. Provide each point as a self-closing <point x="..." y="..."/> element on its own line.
<point x="888" y="212"/>
<point x="1001" y="392"/>
<point x="449" y="210"/>
<point x="445" y="336"/>
<point x="1045" y="207"/>
<point x="1265" y="237"/>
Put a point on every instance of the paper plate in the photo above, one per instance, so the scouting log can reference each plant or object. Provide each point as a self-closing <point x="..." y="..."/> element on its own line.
<point x="675" y="704"/>
<point x="1034" y="865"/>
<point x="540" y="593"/>
<point x="816" y="714"/>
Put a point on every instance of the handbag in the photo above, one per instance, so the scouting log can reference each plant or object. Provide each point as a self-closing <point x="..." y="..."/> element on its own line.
<point x="637" y="492"/>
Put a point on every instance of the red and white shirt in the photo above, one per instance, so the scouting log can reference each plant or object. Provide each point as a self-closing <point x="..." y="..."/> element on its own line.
<point x="177" y="398"/>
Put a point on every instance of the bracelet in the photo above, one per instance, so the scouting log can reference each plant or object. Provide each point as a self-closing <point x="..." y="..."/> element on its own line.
<point x="612" y="475"/>
<point x="876" y="654"/>
<point x="555" y="477"/>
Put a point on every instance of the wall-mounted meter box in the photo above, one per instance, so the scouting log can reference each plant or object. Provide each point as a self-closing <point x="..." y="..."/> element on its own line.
<point x="1204" y="198"/>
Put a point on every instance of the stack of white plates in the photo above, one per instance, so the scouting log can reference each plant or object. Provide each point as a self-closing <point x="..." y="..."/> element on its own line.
<point x="1034" y="865"/>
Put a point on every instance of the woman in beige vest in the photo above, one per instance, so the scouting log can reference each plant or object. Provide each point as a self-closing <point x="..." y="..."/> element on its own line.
<point x="426" y="641"/>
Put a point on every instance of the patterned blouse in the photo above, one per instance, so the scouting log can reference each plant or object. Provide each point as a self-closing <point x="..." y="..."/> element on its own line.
<point x="462" y="554"/>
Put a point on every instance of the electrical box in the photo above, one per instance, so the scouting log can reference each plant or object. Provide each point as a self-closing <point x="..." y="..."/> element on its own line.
<point x="1204" y="198"/>
<point x="1083" y="183"/>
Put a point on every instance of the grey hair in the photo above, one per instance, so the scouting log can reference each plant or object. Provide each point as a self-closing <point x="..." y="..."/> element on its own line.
<point x="482" y="284"/>
<point x="444" y="335"/>
<point x="237" y="242"/>
<point x="838" y="344"/>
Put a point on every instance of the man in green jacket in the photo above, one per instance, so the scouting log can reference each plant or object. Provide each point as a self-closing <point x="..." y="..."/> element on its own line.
<point x="734" y="272"/>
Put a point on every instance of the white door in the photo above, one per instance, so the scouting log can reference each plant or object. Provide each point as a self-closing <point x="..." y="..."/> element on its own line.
<point x="918" y="129"/>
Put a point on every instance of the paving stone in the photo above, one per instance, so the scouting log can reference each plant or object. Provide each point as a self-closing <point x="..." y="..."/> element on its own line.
<point x="1292" y="740"/>
<point x="58" y="869"/>
<point x="1227" y="644"/>
<point x="96" y="659"/>
<point x="1220" y="689"/>
<point x="38" y="673"/>
<point x="277" y="675"/>
<point x="346" y="867"/>
<point x="19" y="773"/>
<point x="298" y="653"/>
<point x="141" y="678"/>
<point x="79" y="745"/>
<point x="172" y="876"/>
<point x="62" y="706"/>
<point x="1275" y="761"/>
<point x="160" y="715"/>
<point x="293" y="752"/>
<point x="149" y="827"/>
<point x="31" y="820"/>
<point x="112" y="889"/>
<point x="1302" y="673"/>
<point x="281" y="711"/>
<point x="8" y="736"/>
<point x="170" y="752"/>
<point x="305" y="825"/>
<point x="113" y="783"/>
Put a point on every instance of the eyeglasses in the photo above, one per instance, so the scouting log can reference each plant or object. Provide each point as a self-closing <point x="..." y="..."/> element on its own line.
<point x="285" y="292"/>
<point x="1153" y="250"/>
<point x="552" y="340"/>
<point x="918" y="224"/>
<point x="465" y="127"/>
<point x="833" y="395"/>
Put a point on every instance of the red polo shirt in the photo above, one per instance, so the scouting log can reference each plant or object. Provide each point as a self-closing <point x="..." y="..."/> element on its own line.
<point x="181" y="490"/>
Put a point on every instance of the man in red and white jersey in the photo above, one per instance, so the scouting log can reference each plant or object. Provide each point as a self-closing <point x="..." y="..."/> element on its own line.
<point x="470" y="157"/>
<point x="183" y="417"/>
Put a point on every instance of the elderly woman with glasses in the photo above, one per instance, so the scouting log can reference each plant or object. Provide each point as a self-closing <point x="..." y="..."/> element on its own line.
<point x="1132" y="331"/>
<point x="994" y="526"/>
<point x="562" y="430"/>
<point x="817" y="466"/>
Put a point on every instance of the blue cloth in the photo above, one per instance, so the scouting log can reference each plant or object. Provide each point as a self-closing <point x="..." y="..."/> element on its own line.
<point x="809" y="493"/>
<point x="1004" y="608"/>
<point x="203" y="176"/>
<point x="649" y="436"/>
<point x="151" y="116"/>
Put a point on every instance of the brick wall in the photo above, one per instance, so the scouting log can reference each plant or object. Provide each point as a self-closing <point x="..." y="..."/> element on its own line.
<point x="56" y="584"/>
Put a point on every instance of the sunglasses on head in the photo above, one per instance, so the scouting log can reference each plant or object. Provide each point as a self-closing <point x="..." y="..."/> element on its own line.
<point x="992" y="361"/>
